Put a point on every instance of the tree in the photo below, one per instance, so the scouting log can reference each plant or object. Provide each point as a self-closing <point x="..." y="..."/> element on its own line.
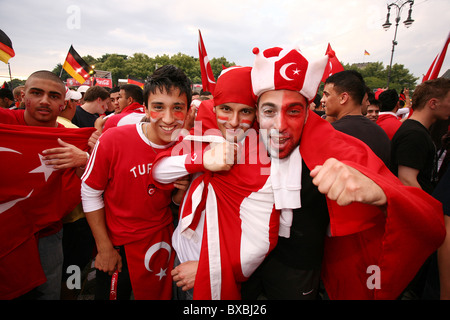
<point x="375" y="75"/>
<point x="140" y="65"/>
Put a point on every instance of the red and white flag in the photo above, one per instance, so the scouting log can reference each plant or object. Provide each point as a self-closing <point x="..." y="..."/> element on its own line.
<point x="435" y="68"/>
<point x="32" y="196"/>
<point x="333" y="66"/>
<point x="208" y="80"/>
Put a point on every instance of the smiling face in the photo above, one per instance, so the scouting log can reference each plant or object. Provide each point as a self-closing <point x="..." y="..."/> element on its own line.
<point x="166" y="112"/>
<point x="44" y="100"/>
<point x="234" y="119"/>
<point x="281" y="115"/>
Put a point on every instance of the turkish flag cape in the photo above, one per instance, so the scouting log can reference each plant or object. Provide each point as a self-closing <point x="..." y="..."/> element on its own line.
<point x="333" y="66"/>
<point x="208" y="81"/>
<point x="394" y="242"/>
<point x="32" y="197"/>
<point x="240" y="224"/>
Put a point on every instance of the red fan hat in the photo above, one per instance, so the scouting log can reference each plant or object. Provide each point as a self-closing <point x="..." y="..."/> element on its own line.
<point x="286" y="68"/>
<point x="234" y="85"/>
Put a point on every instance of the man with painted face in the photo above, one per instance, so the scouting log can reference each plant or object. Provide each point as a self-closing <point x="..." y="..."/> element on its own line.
<point x="129" y="216"/>
<point x="349" y="213"/>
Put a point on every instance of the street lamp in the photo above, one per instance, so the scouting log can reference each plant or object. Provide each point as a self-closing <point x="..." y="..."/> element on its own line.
<point x="387" y="24"/>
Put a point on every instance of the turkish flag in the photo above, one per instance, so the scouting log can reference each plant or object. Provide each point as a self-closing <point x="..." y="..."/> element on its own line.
<point x="208" y="80"/>
<point x="32" y="197"/>
<point x="333" y="66"/>
<point x="150" y="262"/>
<point x="435" y="67"/>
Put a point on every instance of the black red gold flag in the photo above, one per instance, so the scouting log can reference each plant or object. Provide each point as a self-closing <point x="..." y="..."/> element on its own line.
<point x="136" y="81"/>
<point x="76" y="66"/>
<point x="6" y="48"/>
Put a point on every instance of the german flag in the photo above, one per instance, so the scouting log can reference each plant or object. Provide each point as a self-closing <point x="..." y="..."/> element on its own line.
<point x="136" y="81"/>
<point x="6" y="49"/>
<point x="76" y="66"/>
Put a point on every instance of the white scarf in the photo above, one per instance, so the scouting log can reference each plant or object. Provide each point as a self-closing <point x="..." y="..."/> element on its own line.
<point x="286" y="175"/>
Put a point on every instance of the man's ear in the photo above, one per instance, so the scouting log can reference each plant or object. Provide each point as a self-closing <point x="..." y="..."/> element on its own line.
<point x="344" y="97"/>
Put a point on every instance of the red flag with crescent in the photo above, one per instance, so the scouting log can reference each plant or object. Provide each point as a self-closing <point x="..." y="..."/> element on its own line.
<point x="150" y="262"/>
<point x="208" y="80"/>
<point x="33" y="196"/>
<point x="333" y="66"/>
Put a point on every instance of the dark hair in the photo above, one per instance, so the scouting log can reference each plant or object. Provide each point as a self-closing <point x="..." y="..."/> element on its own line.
<point x="115" y="89"/>
<point x="95" y="92"/>
<point x="436" y="88"/>
<point x="6" y="93"/>
<point x="388" y="100"/>
<point x="168" y="77"/>
<point x="349" y="81"/>
<point x="134" y="91"/>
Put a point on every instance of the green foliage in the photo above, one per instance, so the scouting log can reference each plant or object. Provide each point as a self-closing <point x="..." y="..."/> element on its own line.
<point x="140" y="65"/>
<point x="375" y="75"/>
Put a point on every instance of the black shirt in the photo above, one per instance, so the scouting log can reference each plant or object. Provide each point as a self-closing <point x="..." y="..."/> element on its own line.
<point x="83" y="119"/>
<point x="368" y="132"/>
<point x="413" y="147"/>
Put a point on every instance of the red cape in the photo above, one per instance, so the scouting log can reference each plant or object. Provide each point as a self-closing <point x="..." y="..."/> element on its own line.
<point x="363" y="238"/>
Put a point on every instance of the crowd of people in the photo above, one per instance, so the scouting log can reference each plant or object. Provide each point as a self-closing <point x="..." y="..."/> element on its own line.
<point x="262" y="189"/>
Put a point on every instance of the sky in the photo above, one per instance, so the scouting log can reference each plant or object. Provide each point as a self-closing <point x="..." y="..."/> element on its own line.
<point x="43" y="31"/>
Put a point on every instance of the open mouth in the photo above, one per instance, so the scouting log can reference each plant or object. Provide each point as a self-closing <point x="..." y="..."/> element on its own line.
<point x="278" y="142"/>
<point x="167" y="129"/>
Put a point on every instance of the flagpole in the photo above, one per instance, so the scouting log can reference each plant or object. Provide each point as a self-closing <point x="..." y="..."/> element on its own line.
<point x="10" y="77"/>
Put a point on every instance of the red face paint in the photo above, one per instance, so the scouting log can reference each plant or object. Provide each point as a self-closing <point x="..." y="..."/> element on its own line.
<point x="179" y="115"/>
<point x="222" y="119"/>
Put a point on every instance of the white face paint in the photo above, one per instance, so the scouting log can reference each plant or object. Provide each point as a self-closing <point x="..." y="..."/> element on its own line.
<point x="281" y="115"/>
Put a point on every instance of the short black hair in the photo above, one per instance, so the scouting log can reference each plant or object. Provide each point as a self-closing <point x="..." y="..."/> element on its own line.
<point x="349" y="81"/>
<point x="168" y="77"/>
<point x="6" y="93"/>
<point x="115" y="89"/>
<point x="388" y="100"/>
<point x="134" y="91"/>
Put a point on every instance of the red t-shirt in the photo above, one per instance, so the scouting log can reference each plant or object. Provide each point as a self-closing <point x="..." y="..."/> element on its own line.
<point x="120" y="165"/>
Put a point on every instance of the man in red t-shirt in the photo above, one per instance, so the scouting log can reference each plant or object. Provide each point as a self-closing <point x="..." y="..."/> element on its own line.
<point x="43" y="95"/>
<point x="130" y="107"/>
<point x="129" y="216"/>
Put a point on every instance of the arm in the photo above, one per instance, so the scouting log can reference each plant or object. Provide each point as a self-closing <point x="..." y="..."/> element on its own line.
<point x="345" y="184"/>
<point x="69" y="156"/>
<point x="184" y="274"/>
<point x="408" y="176"/>
<point x="107" y="259"/>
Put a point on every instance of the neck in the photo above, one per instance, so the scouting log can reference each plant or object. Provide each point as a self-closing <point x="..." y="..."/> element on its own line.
<point x="349" y="111"/>
<point x="34" y="123"/>
<point x="90" y="107"/>
<point x="422" y="117"/>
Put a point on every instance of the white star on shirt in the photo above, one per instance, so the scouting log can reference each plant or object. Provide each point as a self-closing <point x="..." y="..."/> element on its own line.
<point x="296" y="71"/>
<point x="162" y="273"/>
<point x="45" y="169"/>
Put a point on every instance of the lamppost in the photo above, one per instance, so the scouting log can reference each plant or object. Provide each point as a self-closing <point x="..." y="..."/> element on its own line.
<point x="408" y="22"/>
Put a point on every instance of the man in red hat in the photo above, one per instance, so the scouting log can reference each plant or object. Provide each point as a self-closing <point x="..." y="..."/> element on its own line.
<point x="227" y="222"/>
<point x="351" y="220"/>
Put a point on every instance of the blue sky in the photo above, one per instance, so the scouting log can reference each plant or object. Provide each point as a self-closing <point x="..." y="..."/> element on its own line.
<point x="42" y="31"/>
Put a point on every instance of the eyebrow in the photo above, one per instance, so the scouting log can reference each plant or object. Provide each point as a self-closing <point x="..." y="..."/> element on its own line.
<point x="162" y="103"/>
<point x="41" y="90"/>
